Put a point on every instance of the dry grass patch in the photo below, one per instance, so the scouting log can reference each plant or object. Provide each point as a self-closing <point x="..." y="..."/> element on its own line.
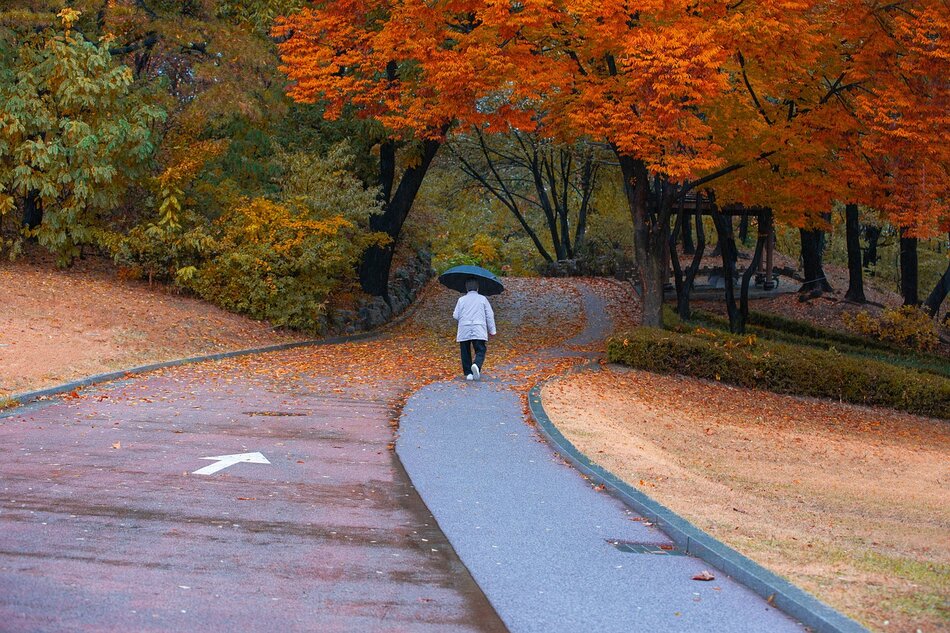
<point x="851" y="503"/>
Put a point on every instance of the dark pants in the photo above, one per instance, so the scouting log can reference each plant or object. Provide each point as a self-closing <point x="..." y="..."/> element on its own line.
<point x="480" y="348"/>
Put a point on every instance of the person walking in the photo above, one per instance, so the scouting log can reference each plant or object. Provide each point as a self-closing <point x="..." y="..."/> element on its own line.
<point x="476" y="322"/>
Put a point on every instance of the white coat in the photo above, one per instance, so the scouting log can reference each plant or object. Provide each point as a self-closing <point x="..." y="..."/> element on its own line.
<point x="475" y="317"/>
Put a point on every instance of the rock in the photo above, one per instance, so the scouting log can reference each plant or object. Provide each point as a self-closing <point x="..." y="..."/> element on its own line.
<point x="373" y="313"/>
<point x="343" y="318"/>
<point x="562" y="268"/>
<point x="409" y="279"/>
<point x="405" y="284"/>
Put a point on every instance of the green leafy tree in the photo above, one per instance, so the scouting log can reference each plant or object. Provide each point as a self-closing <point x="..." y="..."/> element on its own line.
<point x="74" y="133"/>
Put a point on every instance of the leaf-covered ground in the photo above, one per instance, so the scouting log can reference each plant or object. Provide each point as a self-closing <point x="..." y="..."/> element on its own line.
<point x="532" y="315"/>
<point x="851" y="503"/>
<point x="57" y="325"/>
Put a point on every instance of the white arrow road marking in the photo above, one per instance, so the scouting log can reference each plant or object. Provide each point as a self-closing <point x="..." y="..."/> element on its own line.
<point x="223" y="461"/>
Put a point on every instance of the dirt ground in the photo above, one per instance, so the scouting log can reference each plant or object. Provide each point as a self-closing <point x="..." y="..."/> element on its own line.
<point x="851" y="503"/>
<point x="57" y="325"/>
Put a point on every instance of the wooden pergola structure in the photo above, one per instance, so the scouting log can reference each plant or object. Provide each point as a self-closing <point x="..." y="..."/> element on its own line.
<point x="704" y="204"/>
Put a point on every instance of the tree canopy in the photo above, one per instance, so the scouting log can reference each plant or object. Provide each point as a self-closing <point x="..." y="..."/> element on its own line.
<point x="74" y="133"/>
<point x="134" y="126"/>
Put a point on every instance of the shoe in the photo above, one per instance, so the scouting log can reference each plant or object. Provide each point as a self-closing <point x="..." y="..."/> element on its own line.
<point x="475" y="373"/>
<point x="470" y="377"/>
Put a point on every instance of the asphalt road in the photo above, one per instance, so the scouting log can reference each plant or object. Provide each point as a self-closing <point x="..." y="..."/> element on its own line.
<point x="104" y="526"/>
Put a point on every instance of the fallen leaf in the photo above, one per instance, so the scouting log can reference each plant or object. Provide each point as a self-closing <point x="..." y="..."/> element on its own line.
<point x="704" y="575"/>
<point x="116" y="444"/>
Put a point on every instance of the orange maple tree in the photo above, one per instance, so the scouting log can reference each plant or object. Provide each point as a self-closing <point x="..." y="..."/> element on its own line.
<point x="414" y="69"/>
<point x="782" y="102"/>
<point x="867" y="129"/>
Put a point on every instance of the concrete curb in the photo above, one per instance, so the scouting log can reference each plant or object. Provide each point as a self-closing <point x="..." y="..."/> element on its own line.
<point x="785" y="596"/>
<point x="22" y="399"/>
<point x="30" y="396"/>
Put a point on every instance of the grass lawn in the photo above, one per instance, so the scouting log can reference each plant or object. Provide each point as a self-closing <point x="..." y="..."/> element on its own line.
<point x="850" y="503"/>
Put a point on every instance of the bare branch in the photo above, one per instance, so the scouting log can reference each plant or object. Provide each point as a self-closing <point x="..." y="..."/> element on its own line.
<point x="748" y="85"/>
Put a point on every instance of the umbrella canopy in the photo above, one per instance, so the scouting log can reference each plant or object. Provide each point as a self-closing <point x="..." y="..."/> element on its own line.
<point x="488" y="282"/>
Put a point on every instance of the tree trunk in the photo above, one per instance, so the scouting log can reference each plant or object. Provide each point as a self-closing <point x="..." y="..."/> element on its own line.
<point x="565" y="233"/>
<point x="684" y="280"/>
<point x="678" y="279"/>
<point x="908" y="260"/>
<point x="872" y="234"/>
<point x="718" y="249"/>
<point x="812" y="254"/>
<point x="651" y="276"/>
<point x="729" y="252"/>
<point x="32" y="210"/>
<point x="682" y="305"/>
<point x="377" y="260"/>
<point x="765" y="234"/>
<point x="650" y="235"/>
<point x="938" y="294"/>
<point x="538" y="172"/>
<point x="588" y="180"/>
<point x="855" y="271"/>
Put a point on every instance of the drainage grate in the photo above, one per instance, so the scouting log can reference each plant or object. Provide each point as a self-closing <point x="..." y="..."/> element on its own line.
<point x="630" y="547"/>
<point x="276" y="414"/>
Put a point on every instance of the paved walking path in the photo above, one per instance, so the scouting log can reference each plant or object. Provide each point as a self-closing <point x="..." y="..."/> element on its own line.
<point x="539" y="539"/>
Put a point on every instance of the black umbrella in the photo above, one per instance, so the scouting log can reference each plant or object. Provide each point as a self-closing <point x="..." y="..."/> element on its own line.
<point x="488" y="282"/>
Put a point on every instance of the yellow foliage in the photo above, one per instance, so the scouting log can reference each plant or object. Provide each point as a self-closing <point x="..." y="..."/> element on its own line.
<point x="276" y="261"/>
<point x="262" y="221"/>
<point x="483" y="247"/>
<point x="907" y="326"/>
<point x="69" y="17"/>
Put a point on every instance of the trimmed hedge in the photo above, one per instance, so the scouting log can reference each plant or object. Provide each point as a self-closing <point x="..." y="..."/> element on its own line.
<point x="792" y="369"/>
<point x="800" y="333"/>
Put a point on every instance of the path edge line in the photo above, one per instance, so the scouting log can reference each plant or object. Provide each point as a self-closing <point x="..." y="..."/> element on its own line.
<point x="22" y="399"/>
<point x="782" y="594"/>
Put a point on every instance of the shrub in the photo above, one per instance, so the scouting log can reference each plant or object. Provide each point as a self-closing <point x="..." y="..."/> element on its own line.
<point x="778" y="328"/>
<point x="275" y="262"/>
<point x="484" y="249"/>
<point x="277" y="259"/>
<point x="465" y="259"/>
<point x="793" y="329"/>
<point x="907" y="326"/>
<point x="750" y="362"/>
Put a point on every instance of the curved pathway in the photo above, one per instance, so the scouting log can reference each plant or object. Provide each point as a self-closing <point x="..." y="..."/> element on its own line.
<point x="551" y="552"/>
